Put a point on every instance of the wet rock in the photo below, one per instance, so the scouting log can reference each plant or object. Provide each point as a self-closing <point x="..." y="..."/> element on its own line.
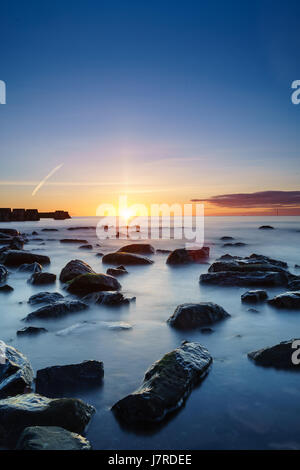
<point x="31" y="330"/>
<point x="165" y="386"/>
<point x="34" y="233"/>
<point x="30" y="268"/>
<point x="297" y="266"/>
<point x="242" y="279"/>
<point x="87" y="373"/>
<point x="125" y="259"/>
<point x="250" y="264"/>
<point x="17" y="243"/>
<point x="10" y="231"/>
<point x="16" y="373"/>
<point x="226" y="238"/>
<point x="3" y="273"/>
<point x="252" y="310"/>
<point x="56" y="310"/>
<point x="6" y="288"/>
<point x="73" y="240"/>
<point x="207" y="330"/>
<point x="163" y="251"/>
<point x="266" y="227"/>
<point x="138" y="248"/>
<point x="45" y="297"/>
<point x="188" y="316"/>
<point x="86" y="247"/>
<point x="49" y="230"/>
<point x="90" y="227"/>
<point x="119" y="271"/>
<point x="278" y="356"/>
<point x="87" y="283"/>
<point x="286" y="300"/>
<point x="22" y="411"/>
<point x="294" y="285"/>
<point x="183" y="256"/>
<point x="99" y="254"/>
<point x="42" y="278"/>
<point x="234" y="245"/>
<point x="16" y="258"/>
<point x="73" y="269"/>
<point x="254" y="296"/>
<point x="107" y="298"/>
<point x="51" y="438"/>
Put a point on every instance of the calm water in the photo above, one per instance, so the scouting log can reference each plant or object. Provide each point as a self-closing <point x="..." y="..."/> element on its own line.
<point x="238" y="406"/>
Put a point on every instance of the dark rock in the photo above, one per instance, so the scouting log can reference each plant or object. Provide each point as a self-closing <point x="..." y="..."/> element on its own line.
<point x="138" y="248"/>
<point x="87" y="283"/>
<point x="183" y="256"/>
<point x="16" y="373"/>
<point x="86" y="247"/>
<point x="10" y="231"/>
<point x="254" y="296"/>
<point x="86" y="373"/>
<point x="252" y="310"/>
<point x="166" y="385"/>
<point x="119" y="271"/>
<point x="99" y="254"/>
<point x="207" y="330"/>
<point x="234" y="245"/>
<point x="49" y="230"/>
<point x="242" y="279"/>
<point x="16" y="258"/>
<point x="278" y="356"/>
<point x="73" y="269"/>
<point x="56" y="310"/>
<point x="286" y="300"/>
<point x="31" y="330"/>
<point x="73" y="240"/>
<point x="6" y="288"/>
<point x="30" y="268"/>
<point x="3" y="273"/>
<point x="294" y="285"/>
<point x="163" y="251"/>
<point x="226" y="238"/>
<point x="51" y="438"/>
<point x="45" y="297"/>
<point x="125" y="258"/>
<point x="22" y="411"/>
<point x="37" y="239"/>
<point x="266" y="227"/>
<point x="297" y="266"/>
<point x="34" y="233"/>
<point x="107" y="298"/>
<point x="188" y="316"/>
<point x="42" y="278"/>
<point x="82" y="228"/>
<point x="17" y="243"/>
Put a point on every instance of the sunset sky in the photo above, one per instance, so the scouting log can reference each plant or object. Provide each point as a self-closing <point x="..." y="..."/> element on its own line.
<point x="165" y="101"/>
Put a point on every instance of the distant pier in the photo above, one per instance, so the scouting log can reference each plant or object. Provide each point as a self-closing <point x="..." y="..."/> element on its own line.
<point x="22" y="215"/>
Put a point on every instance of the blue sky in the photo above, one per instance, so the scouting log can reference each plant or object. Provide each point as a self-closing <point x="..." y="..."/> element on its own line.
<point x="181" y="99"/>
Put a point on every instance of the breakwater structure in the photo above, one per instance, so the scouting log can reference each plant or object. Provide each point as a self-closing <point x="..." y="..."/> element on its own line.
<point x="22" y="215"/>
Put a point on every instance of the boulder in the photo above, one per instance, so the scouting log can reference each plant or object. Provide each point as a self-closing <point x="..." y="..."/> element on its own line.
<point x="42" y="278"/>
<point x="17" y="243"/>
<point x="254" y="296"/>
<point x="50" y="379"/>
<point x="188" y="316"/>
<point x="119" y="271"/>
<point x="3" y="273"/>
<point x="294" y="285"/>
<point x="31" y="330"/>
<point x="138" y="248"/>
<point x="266" y="227"/>
<point x="107" y="298"/>
<point x="165" y="386"/>
<point x="242" y="279"/>
<point x="16" y="373"/>
<point x="290" y="300"/>
<point x="10" y="231"/>
<point x="22" y="411"/>
<point x="120" y="257"/>
<point x="86" y="247"/>
<point x="30" y="268"/>
<point x="6" y="288"/>
<point x="87" y="283"/>
<point x="297" y="266"/>
<point x="56" y="310"/>
<point x="51" y="438"/>
<point x="16" y="258"/>
<point x="45" y="298"/>
<point x="73" y="240"/>
<point x="278" y="356"/>
<point x="184" y="256"/>
<point x="73" y="269"/>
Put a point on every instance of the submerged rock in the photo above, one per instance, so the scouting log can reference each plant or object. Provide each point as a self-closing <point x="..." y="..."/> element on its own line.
<point x="31" y="330"/>
<point x="184" y="256"/>
<point x="286" y="300"/>
<point x="45" y="297"/>
<point x="165" y="386"/>
<point x="73" y="240"/>
<point x="279" y="356"/>
<point x="22" y="411"/>
<point x="234" y="245"/>
<point x="226" y="238"/>
<point x="3" y="273"/>
<point x="51" y="438"/>
<point x="6" y="288"/>
<point x="56" y="310"/>
<point x="163" y="251"/>
<point x="49" y="229"/>
<point x="139" y="248"/>
<point x="73" y="269"/>
<point x="87" y="283"/>
<point x="42" y="278"/>
<point x="119" y="271"/>
<point x="16" y="258"/>
<point x="120" y="257"/>
<point x="86" y="247"/>
<point x="16" y="373"/>
<point x="107" y="298"/>
<point x="266" y="227"/>
<point x="254" y="296"/>
<point x="30" y="268"/>
<point x="188" y="316"/>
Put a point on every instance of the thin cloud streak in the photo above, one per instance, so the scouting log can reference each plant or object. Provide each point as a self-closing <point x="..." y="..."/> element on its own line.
<point x="259" y="199"/>
<point x="45" y="179"/>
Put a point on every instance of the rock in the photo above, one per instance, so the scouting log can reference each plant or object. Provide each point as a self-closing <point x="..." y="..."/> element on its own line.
<point x="45" y="297"/>
<point x="82" y="228"/>
<point x="99" y="254"/>
<point x="31" y="330"/>
<point x="252" y="310"/>
<point x="73" y="269"/>
<point x="34" y="232"/>
<point x="51" y="438"/>
<point x="17" y="243"/>
<point x="50" y="379"/>
<point x="183" y="256"/>
<point x="10" y="231"/>
<point x="30" y="268"/>
<point x="22" y="411"/>
<point x="16" y="373"/>
<point x="286" y="300"/>
<point x="73" y="240"/>
<point x="107" y="298"/>
<point x="242" y="279"/>
<point x="294" y="285"/>
<point x="254" y="296"/>
<point x="234" y="245"/>
<point x="56" y="310"/>
<point x="87" y="283"/>
<point x="138" y="248"/>
<point x="279" y="356"/>
<point x="207" y="330"/>
<point x="16" y="258"/>
<point x="188" y="316"/>
<point x="297" y="266"/>
<point x="49" y="230"/>
<point x="42" y="278"/>
<point x="226" y="238"/>
<point x="165" y="386"/>
<point x="3" y="273"/>
<point x="6" y="288"/>
<point x="86" y="247"/>
<point x="266" y="227"/>
<point x="245" y="265"/>
<point x="163" y="251"/>
<point x="119" y="271"/>
<point x="125" y="258"/>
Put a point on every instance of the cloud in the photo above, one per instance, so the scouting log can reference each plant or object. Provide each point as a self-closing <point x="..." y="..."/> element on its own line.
<point x="259" y="199"/>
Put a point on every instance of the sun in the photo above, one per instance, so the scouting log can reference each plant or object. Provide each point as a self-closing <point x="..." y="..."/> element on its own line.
<point x="126" y="213"/>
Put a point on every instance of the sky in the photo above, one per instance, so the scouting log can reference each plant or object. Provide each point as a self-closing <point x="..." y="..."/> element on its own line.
<point x="162" y="101"/>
